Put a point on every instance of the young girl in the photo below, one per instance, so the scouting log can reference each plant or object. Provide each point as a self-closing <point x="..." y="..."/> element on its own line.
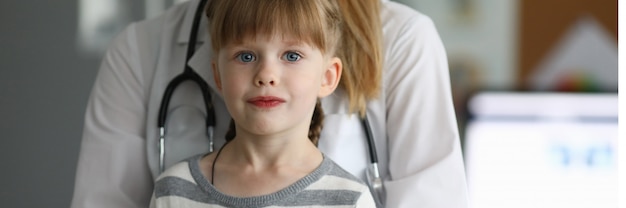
<point x="273" y="61"/>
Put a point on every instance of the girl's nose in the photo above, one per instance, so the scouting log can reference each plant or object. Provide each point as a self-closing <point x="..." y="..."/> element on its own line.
<point x="266" y="75"/>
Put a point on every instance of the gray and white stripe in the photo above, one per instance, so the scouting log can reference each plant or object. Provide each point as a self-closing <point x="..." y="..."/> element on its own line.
<point x="328" y="186"/>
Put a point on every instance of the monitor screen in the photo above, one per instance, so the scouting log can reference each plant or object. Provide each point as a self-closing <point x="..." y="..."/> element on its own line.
<point x="542" y="150"/>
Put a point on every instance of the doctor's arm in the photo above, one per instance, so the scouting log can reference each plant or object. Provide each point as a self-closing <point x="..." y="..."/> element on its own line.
<point x="426" y="165"/>
<point x="112" y="169"/>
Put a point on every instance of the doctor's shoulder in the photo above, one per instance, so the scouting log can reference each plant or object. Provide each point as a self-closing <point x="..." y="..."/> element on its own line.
<point x="396" y="17"/>
<point x="143" y="43"/>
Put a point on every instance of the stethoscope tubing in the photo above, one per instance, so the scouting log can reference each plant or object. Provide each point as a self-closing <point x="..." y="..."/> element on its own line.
<point x="188" y="75"/>
<point x="371" y="145"/>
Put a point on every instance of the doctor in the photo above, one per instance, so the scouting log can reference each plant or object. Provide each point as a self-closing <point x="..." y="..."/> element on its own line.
<point x="411" y="116"/>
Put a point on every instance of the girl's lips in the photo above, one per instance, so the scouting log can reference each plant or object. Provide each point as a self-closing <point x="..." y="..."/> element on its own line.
<point x="266" y="101"/>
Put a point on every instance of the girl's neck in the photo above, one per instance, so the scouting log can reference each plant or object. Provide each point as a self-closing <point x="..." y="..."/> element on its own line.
<point x="249" y="166"/>
<point x="270" y="152"/>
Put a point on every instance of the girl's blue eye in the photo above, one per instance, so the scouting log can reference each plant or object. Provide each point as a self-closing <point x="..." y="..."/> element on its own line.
<point x="292" y="56"/>
<point x="246" y="57"/>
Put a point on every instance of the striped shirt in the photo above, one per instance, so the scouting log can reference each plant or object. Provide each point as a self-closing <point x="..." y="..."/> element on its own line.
<point x="328" y="186"/>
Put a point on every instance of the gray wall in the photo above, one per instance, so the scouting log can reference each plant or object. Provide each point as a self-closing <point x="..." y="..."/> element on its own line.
<point x="44" y="86"/>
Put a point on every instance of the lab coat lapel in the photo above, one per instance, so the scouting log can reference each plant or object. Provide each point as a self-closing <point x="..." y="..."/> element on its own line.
<point x="201" y="63"/>
<point x="185" y="28"/>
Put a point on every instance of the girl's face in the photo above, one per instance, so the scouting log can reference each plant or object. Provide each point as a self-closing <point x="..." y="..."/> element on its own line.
<point x="270" y="84"/>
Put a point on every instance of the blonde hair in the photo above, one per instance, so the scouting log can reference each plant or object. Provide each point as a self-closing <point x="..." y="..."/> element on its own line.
<point x="315" y="22"/>
<point x="361" y="52"/>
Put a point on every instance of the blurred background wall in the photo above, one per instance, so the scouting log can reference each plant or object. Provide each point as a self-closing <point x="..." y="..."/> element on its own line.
<point x="45" y="80"/>
<point x="50" y="53"/>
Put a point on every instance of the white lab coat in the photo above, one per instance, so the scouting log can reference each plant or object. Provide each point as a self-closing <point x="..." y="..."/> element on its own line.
<point x="413" y="121"/>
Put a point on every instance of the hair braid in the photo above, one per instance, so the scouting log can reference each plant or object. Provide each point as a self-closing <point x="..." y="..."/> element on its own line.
<point x="231" y="133"/>
<point x="315" y="129"/>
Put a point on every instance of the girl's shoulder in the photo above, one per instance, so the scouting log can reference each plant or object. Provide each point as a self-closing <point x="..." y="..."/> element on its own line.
<point x="336" y="185"/>
<point x="335" y="177"/>
<point x="181" y="169"/>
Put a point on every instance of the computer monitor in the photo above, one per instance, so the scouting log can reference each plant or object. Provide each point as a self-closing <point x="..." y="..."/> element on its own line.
<point x="542" y="150"/>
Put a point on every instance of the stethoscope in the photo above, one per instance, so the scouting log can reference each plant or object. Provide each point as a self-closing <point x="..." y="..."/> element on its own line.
<point x="372" y="174"/>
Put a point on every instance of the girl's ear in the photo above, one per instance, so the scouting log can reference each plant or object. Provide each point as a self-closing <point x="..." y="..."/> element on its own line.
<point x="330" y="77"/>
<point x="216" y="76"/>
